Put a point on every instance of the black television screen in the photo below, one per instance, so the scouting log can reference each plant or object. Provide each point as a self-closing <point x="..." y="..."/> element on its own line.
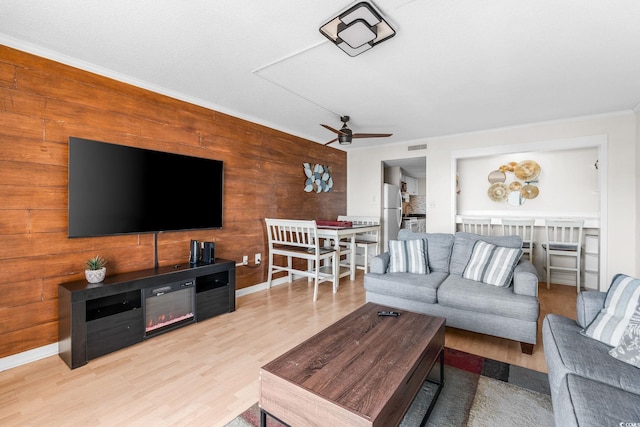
<point x="115" y="189"/>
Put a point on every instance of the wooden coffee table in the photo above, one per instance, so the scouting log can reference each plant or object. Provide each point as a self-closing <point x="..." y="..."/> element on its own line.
<point x="364" y="370"/>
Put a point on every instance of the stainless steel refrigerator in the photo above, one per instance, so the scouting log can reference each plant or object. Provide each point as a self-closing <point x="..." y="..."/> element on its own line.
<point x="392" y="213"/>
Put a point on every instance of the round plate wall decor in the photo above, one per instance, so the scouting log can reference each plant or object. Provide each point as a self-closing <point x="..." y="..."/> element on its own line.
<point x="530" y="191"/>
<point x="527" y="170"/>
<point x="515" y="186"/>
<point x="497" y="176"/>
<point x="498" y="192"/>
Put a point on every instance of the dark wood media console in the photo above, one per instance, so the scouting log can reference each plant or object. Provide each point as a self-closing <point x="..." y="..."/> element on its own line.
<point x="96" y="319"/>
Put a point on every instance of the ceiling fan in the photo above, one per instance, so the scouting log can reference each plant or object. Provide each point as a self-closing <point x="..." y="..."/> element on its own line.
<point x="345" y="135"/>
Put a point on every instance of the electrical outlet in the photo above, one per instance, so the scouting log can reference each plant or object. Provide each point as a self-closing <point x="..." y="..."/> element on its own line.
<point x="258" y="259"/>
<point x="245" y="259"/>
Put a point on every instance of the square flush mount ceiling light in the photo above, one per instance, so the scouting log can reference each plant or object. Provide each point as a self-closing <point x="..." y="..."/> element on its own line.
<point x="357" y="29"/>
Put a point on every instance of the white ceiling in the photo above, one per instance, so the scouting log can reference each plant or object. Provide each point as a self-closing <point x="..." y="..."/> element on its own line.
<point x="454" y="65"/>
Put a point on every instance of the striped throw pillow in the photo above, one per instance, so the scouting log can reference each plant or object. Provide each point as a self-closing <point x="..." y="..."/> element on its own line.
<point x="408" y="256"/>
<point x="619" y="305"/>
<point x="492" y="264"/>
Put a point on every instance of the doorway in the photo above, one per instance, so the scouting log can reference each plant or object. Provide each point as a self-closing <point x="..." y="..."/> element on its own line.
<point x="408" y="177"/>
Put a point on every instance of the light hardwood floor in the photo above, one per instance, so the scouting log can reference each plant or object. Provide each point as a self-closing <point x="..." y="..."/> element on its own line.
<point x="207" y="373"/>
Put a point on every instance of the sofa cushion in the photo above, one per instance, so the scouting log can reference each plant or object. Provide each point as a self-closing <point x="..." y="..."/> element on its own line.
<point x="465" y="294"/>
<point x="620" y="304"/>
<point x="492" y="264"/>
<point x="629" y="348"/>
<point x="438" y="248"/>
<point x="463" y="247"/>
<point x="415" y="287"/>
<point x="584" y="402"/>
<point x="408" y="256"/>
<point x="567" y="351"/>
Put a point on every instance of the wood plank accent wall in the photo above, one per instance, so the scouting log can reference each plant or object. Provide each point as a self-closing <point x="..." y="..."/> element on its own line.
<point x="43" y="102"/>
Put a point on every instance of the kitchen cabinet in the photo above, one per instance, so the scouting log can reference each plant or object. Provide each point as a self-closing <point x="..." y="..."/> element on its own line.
<point x="412" y="185"/>
<point x="393" y="175"/>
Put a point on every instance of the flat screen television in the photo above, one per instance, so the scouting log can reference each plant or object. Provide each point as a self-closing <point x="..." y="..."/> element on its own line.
<point x="115" y="189"/>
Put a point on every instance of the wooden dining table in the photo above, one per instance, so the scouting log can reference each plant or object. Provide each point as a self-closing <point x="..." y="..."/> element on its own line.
<point x="337" y="233"/>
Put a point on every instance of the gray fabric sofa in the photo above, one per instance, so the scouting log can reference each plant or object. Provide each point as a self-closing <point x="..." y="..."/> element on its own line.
<point x="589" y="387"/>
<point x="511" y="312"/>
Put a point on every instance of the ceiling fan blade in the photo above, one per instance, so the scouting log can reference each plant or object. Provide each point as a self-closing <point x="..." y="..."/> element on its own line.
<point x="333" y="140"/>
<point x="332" y="129"/>
<point x="371" y="135"/>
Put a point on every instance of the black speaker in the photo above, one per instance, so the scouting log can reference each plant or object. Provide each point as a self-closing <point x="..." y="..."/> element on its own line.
<point x="194" y="252"/>
<point x="209" y="252"/>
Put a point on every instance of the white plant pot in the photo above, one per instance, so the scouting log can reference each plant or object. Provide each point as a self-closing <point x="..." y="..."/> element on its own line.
<point x="95" y="276"/>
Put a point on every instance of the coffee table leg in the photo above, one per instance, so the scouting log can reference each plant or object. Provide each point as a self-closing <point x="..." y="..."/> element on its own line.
<point x="438" y="390"/>
<point x="263" y="418"/>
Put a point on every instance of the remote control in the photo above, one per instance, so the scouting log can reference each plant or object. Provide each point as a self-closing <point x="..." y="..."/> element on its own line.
<point x="388" y="313"/>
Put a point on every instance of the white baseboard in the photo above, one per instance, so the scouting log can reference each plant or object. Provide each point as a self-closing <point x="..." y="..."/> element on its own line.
<point x="28" y="356"/>
<point x="262" y="286"/>
<point x="32" y="355"/>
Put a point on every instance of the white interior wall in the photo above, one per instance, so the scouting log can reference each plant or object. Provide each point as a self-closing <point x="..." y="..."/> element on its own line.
<point x="364" y="172"/>
<point x="568" y="184"/>
<point x="637" y="235"/>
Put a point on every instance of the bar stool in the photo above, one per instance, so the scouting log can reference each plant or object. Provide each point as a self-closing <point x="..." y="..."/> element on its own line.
<point x="522" y="227"/>
<point x="564" y="239"/>
<point x="480" y="226"/>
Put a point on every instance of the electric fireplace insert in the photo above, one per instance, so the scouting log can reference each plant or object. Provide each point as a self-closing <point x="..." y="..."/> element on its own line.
<point x="168" y="306"/>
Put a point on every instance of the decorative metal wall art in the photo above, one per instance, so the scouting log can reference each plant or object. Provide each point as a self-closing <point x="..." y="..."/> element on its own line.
<point x="515" y="192"/>
<point x="318" y="178"/>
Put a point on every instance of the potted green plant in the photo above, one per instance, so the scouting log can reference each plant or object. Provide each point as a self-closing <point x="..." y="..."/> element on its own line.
<point x="96" y="269"/>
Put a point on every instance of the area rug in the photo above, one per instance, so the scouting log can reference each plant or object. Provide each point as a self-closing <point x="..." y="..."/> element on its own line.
<point x="477" y="392"/>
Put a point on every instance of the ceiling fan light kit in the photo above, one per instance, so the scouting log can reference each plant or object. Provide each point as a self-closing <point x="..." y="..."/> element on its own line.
<point x="357" y="29"/>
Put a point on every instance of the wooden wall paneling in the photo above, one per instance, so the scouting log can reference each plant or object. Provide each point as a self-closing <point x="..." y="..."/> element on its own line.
<point x="29" y="338"/>
<point x="48" y="221"/>
<point x="7" y="75"/>
<point x="14" y="101"/>
<point x="36" y="245"/>
<point x="48" y="198"/>
<point x="19" y="127"/>
<point x="33" y="175"/>
<point x="22" y="317"/>
<point x="20" y="149"/>
<point x="42" y="103"/>
<point x="21" y="293"/>
<point x="14" y="221"/>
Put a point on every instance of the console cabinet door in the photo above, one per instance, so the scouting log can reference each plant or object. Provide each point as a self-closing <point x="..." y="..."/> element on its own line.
<point x="112" y="333"/>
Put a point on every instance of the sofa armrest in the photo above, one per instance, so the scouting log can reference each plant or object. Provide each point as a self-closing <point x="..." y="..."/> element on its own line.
<point x="379" y="263"/>
<point x="588" y="305"/>
<point x="525" y="279"/>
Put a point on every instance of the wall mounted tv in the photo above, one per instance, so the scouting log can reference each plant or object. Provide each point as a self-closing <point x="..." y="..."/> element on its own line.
<point x="114" y="189"/>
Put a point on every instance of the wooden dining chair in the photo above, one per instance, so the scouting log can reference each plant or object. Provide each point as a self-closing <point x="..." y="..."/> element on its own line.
<point x="368" y="241"/>
<point x="522" y="227"/>
<point x="476" y="225"/>
<point x="564" y="240"/>
<point x="299" y="239"/>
